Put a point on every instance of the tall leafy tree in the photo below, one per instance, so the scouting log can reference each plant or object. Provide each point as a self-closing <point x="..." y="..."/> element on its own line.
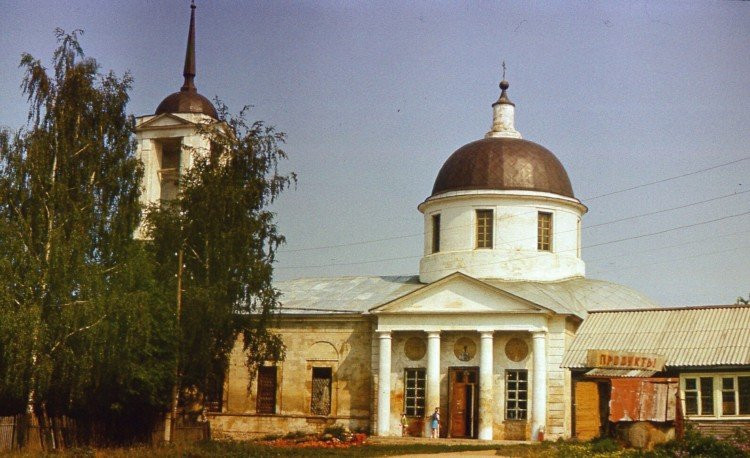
<point x="77" y="311"/>
<point x="221" y="226"/>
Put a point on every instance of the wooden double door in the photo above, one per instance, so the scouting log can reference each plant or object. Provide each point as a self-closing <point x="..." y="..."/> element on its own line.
<point x="463" y="401"/>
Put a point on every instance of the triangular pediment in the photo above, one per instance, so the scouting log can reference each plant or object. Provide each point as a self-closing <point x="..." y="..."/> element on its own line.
<point x="164" y="120"/>
<point x="459" y="293"/>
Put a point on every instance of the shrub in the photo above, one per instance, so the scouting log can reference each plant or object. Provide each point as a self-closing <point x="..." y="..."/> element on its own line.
<point x="337" y="431"/>
<point x="604" y="445"/>
<point x="295" y="435"/>
<point x="696" y="444"/>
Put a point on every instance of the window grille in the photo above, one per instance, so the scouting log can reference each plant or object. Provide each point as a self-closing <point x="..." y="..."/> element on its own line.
<point x="414" y="380"/>
<point x="544" y="232"/>
<point x="320" y="403"/>
<point x="484" y="228"/>
<point x="516" y="394"/>
<point x="266" y="400"/>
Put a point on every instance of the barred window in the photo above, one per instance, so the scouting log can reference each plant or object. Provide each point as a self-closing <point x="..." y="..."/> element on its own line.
<point x="516" y="394"/>
<point x="320" y="403"/>
<point x="544" y="232"/>
<point x="266" y="399"/>
<point x="414" y="392"/>
<point x="435" y="233"/>
<point x="484" y="228"/>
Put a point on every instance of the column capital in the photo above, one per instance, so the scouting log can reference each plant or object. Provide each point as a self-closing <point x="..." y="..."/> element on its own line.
<point x="486" y="334"/>
<point x="433" y="334"/>
<point x="539" y="334"/>
<point x="384" y="334"/>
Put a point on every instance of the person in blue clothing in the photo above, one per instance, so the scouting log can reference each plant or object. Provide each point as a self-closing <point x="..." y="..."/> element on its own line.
<point x="435" y="423"/>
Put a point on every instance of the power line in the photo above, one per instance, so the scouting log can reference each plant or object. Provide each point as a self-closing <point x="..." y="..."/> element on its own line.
<point x="667" y="179"/>
<point x="398" y="237"/>
<point x="701" y="255"/>
<point x="666" y="247"/>
<point x="664" y="231"/>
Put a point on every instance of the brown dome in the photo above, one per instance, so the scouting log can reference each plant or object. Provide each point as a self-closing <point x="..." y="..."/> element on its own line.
<point x="187" y="102"/>
<point x="505" y="164"/>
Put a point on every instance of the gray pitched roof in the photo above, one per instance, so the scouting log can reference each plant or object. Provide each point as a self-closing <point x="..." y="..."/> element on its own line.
<point x="359" y="294"/>
<point x="688" y="336"/>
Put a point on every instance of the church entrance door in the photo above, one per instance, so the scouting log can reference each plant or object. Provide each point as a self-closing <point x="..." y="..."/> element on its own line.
<point x="463" y="390"/>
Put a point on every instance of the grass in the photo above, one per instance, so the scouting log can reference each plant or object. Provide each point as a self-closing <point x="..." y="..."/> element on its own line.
<point x="691" y="446"/>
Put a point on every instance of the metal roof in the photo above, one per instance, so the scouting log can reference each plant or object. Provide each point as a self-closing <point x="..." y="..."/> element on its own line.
<point x="342" y="294"/>
<point x="577" y="296"/>
<point x="359" y="294"/>
<point x="688" y="336"/>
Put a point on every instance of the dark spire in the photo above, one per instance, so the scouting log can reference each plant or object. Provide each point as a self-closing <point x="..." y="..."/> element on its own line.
<point x="189" y="71"/>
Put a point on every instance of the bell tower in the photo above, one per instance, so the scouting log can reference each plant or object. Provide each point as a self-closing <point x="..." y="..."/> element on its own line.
<point x="168" y="140"/>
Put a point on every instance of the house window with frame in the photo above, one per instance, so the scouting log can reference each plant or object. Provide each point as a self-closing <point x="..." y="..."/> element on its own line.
<point x="414" y="380"/>
<point x="436" y="233"/>
<point x="320" y="399"/>
<point x="699" y="395"/>
<point x="265" y="402"/>
<point x="484" y="228"/>
<point x="516" y="394"/>
<point x="544" y="232"/>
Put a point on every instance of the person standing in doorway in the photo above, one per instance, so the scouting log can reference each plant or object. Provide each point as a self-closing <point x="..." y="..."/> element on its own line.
<point x="435" y="423"/>
<point x="404" y="424"/>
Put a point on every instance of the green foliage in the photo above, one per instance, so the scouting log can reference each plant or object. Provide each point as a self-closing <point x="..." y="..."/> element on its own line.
<point x="337" y="431"/>
<point x="696" y="444"/>
<point x="604" y="445"/>
<point x="221" y="222"/>
<point x="82" y="327"/>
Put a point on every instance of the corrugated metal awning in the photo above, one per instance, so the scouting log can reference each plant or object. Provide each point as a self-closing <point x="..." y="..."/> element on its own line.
<point x="690" y="336"/>
<point x="619" y="373"/>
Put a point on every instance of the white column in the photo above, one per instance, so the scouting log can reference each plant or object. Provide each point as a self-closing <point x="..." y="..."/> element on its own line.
<point x="384" y="384"/>
<point x="432" y="382"/>
<point x="485" y="386"/>
<point x="539" y="399"/>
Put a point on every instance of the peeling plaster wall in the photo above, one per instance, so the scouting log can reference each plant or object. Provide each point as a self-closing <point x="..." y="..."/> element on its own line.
<point x="343" y="344"/>
<point x="352" y="352"/>
<point x="514" y="255"/>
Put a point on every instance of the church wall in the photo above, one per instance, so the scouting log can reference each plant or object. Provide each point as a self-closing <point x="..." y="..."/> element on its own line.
<point x="341" y="343"/>
<point x="558" y="381"/>
<point x="514" y="254"/>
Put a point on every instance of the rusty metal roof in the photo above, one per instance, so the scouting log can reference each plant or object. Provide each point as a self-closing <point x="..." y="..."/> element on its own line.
<point x="359" y="294"/>
<point x="688" y="336"/>
<point x="505" y="164"/>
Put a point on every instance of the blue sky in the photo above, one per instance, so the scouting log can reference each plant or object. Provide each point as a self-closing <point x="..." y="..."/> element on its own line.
<point x="374" y="96"/>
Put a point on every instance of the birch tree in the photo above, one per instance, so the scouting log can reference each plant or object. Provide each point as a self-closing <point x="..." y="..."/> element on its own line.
<point x="69" y="288"/>
<point x="222" y="226"/>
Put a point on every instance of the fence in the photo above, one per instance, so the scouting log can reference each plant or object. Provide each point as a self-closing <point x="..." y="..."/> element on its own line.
<point x="19" y="432"/>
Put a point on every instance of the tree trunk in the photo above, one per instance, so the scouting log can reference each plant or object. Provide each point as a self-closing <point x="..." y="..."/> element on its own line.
<point x="171" y="420"/>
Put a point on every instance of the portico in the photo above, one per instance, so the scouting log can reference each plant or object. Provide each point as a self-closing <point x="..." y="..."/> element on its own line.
<point x="466" y="353"/>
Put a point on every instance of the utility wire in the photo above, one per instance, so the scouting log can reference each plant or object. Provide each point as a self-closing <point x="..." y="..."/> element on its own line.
<point x="639" y="236"/>
<point x="398" y="237"/>
<point x="664" y="180"/>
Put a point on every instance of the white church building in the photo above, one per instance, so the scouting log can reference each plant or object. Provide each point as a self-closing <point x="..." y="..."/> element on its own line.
<point x="479" y="333"/>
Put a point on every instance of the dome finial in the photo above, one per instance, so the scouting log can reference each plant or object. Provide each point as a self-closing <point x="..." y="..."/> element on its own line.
<point x="503" y="114"/>
<point x="504" y="85"/>
<point x="189" y="71"/>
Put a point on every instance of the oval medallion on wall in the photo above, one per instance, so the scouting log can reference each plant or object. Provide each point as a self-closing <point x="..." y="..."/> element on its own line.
<point x="464" y="349"/>
<point x="516" y="349"/>
<point x="415" y="348"/>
